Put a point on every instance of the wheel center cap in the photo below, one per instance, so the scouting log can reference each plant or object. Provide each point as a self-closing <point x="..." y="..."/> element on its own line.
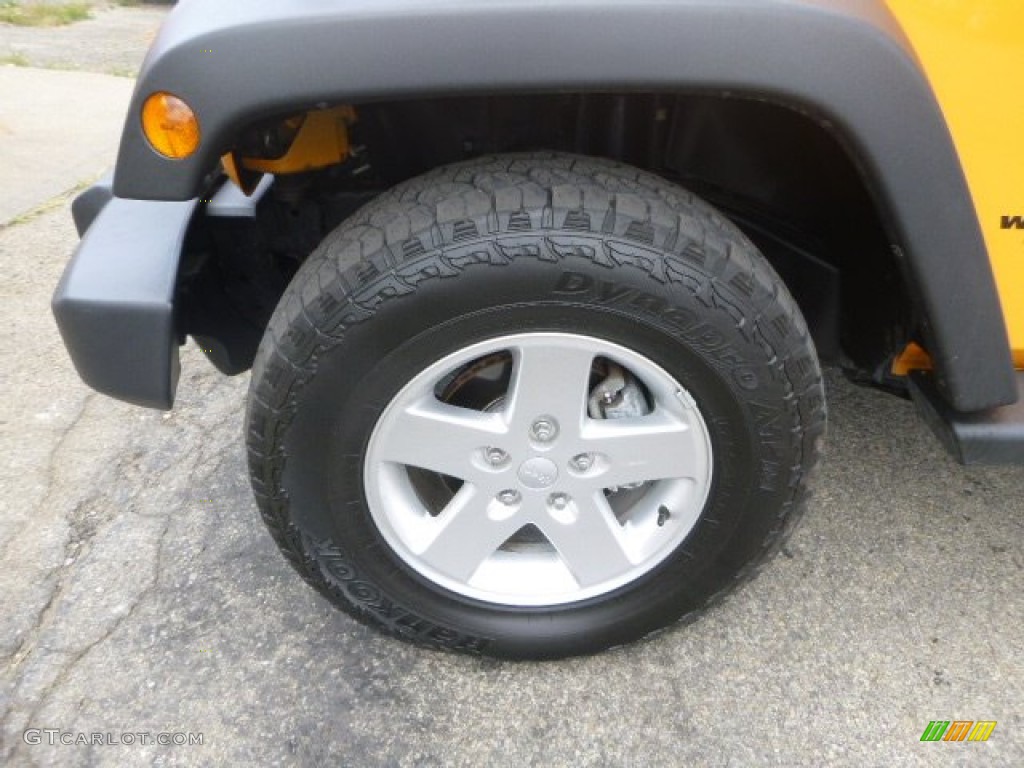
<point x="538" y="473"/>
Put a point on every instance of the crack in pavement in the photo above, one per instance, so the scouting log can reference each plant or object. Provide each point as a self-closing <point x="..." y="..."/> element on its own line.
<point x="49" y="473"/>
<point x="43" y="656"/>
<point x="76" y="545"/>
<point x="65" y="670"/>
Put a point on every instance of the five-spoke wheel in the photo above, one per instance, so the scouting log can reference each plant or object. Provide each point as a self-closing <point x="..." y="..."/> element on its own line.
<point x="549" y="500"/>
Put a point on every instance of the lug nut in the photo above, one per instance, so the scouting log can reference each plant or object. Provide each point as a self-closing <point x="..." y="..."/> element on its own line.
<point x="495" y="456"/>
<point x="559" y="501"/>
<point x="544" y="429"/>
<point x="508" y="498"/>
<point x="582" y="463"/>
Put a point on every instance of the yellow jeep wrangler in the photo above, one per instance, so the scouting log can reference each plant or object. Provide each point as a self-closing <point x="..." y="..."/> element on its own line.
<point x="535" y="295"/>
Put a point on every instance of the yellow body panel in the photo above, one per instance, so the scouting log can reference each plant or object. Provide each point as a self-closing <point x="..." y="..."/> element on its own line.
<point x="322" y="141"/>
<point x="972" y="52"/>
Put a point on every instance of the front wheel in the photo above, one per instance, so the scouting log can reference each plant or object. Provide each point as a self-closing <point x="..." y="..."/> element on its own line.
<point x="532" y="406"/>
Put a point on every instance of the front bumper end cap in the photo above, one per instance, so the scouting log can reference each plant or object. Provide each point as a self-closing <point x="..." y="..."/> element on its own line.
<point x="114" y="305"/>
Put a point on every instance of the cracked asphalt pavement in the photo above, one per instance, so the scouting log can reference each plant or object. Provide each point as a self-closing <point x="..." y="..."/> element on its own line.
<point x="140" y="592"/>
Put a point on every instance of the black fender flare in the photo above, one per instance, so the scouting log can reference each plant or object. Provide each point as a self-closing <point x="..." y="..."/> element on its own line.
<point x="846" y="63"/>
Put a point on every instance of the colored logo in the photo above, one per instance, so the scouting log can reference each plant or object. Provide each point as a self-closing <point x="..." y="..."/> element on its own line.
<point x="958" y="730"/>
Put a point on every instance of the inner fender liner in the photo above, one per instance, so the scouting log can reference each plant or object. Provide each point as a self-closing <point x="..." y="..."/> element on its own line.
<point x="844" y="62"/>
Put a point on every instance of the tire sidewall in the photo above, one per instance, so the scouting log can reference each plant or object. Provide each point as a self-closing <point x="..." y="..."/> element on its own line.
<point x="695" y="332"/>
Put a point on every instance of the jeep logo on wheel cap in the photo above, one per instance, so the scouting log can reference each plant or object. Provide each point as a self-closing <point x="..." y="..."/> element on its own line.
<point x="538" y="473"/>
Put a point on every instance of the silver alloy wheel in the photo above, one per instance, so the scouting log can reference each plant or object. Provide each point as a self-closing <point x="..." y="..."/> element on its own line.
<point x="557" y="468"/>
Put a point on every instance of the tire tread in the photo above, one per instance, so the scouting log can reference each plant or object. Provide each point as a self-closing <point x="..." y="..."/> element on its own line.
<point x="399" y="240"/>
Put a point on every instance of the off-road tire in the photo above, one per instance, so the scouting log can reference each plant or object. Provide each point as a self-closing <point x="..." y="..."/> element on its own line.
<point x="532" y="242"/>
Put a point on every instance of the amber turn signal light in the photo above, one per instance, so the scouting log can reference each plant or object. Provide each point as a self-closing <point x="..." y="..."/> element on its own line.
<point x="170" y="125"/>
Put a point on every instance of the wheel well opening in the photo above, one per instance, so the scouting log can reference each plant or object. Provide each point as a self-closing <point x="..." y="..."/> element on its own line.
<point x="780" y="174"/>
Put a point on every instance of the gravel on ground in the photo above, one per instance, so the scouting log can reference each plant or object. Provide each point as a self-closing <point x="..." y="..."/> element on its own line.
<point x="114" y="41"/>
